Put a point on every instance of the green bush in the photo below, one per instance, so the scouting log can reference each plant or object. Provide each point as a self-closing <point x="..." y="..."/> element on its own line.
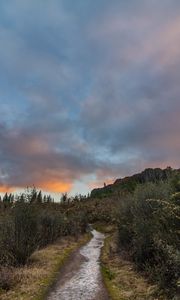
<point x="50" y="227"/>
<point x="166" y="268"/>
<point x="19" y="235"/>
<point x="125" y="224"/>
<point x="148" y="227"/>
<point x="30" y="224"/>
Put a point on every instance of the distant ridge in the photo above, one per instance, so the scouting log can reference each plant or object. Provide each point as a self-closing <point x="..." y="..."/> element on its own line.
<point x="129" y="183"/>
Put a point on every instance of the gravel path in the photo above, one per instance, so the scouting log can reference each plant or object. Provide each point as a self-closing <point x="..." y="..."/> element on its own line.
<point x="81" y="278"/>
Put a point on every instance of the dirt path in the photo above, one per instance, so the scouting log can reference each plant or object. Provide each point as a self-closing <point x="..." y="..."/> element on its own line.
<point x="81" y="279"/>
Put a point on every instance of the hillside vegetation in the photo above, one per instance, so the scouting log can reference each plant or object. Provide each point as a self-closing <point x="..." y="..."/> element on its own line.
<point x="31" y="222"/>
<point x="146" y="211"/>
<point x="143" y="210"/>
<point x="128" y="184"/>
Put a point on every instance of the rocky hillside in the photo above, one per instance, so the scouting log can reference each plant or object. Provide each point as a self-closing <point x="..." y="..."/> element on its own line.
<point x="129" y="183"/>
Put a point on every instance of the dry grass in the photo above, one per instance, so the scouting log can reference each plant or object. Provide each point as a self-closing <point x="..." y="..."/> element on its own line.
<point x="120" y="277"/>
<point x="105" y="228"/>
<point x="34" y="280"/>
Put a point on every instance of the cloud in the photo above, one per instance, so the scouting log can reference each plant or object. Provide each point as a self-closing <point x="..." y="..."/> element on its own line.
<point x="88" y="91"/>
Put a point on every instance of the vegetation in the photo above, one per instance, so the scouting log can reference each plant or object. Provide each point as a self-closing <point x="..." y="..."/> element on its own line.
<point x="35" y="279"/>
<point x="122" y="280"/>
<point x="31" y="222"/>
<point x="143" y="212"/>
<point x="148" y="228"/>
<point x="129" y="184"/>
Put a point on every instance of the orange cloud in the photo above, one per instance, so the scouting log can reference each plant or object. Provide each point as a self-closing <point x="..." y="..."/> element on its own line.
<point x="48" y="186"/>
<point x="55" y="186"/>
<point x="6" y="189"/>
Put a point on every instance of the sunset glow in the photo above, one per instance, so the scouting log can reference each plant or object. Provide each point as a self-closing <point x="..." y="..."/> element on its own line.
<point x="56" y="187"/>
<point x="4" y="189"/>
<point x="89" y="91"/>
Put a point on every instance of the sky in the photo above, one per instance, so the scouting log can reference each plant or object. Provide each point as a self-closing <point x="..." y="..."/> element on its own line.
<point x="89" y="91"/>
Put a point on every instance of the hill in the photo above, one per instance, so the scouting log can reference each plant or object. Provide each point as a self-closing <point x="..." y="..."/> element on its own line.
<point x="129" y="183"/>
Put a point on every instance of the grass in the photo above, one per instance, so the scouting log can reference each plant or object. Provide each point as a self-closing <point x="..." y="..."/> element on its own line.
<point x="104" y="227"/>
<point x="34" y="280"/>
<point x="122" y="281"/>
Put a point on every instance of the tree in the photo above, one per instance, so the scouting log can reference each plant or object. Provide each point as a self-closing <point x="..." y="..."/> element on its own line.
<point x="39" y="197"/>
<point x="64" y="198"/>
<point x="6" y="198"/>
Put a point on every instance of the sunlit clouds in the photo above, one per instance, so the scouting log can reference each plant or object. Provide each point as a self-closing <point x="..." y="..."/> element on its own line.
<point x="56" y="187"/>
<point x="89" y="91"/>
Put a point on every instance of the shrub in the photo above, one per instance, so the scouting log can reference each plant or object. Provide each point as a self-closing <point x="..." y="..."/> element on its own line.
<point x="30" y="225"/>
<point x="148" y="227"/>
<point x="51" y="226"/>
<point x="125" y="223"/>
<point x="6" y="278"/>
<point x="166" y="268"/>
<point x="19" y="235"/>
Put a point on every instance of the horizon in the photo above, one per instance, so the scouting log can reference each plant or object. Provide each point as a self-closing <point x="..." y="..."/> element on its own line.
<point x="89" y="92"/>
<point x="57" y="196"/>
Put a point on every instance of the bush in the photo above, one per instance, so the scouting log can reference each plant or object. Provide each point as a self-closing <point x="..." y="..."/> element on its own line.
<point x="161" y="190"/>
<point x="29" y="225"/>
<point x="125" y="224"/>
<point x="6" y="278"/>
<point x="148" y="227"/>
<point x="51" y="226"/>
<point x="167" y="266"/>
<point x="19" y="235"/>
